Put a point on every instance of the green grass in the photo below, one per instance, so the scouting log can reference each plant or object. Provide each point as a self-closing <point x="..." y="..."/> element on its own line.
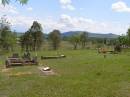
<point x="84" y="73"/>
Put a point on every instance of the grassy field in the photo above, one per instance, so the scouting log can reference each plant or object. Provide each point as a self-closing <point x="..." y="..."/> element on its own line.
<point x="83" y="73"/>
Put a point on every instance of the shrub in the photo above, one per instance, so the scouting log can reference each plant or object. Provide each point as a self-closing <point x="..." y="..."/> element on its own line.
<point x="117" y="48"/>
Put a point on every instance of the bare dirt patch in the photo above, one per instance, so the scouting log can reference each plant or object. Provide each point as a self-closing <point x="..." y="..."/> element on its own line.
<point x="6" y="70"/>
<point x="19" y="74"/>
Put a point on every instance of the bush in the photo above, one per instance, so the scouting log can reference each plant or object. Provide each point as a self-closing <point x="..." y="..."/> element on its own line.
<point x="117" y="48"/>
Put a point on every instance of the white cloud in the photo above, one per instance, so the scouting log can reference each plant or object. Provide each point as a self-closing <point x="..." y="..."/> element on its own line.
<point x="68" y="23"/>
<point x="8" y="9"/>
<point x="120" y="7"/>
<point x="29" y="8"/>
<point x="69" y="7"/>
<point x="81" y="8"/>
<point x="67" y="4"/>
<point x="16" y="19"/>
<point x="20" y="22"/>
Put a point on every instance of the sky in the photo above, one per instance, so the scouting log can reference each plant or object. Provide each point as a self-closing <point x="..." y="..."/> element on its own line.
<point x="97" y="16"/>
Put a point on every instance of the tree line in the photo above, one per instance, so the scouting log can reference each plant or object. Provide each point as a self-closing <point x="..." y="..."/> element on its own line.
<point x="124" y="40"/>
<point x="34" y="38"/>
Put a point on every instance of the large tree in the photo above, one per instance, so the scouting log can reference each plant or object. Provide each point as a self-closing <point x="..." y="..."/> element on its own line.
<point x="4" y="2"/>
<point x="75" y="40"/>
<point x="33" y="38"/>
<point x="27" y="41"/>
<point x="37" y="34"/>
<point x="55" y="39"/>
<point x="123" y="40"/>
<point x="83" y="39"/>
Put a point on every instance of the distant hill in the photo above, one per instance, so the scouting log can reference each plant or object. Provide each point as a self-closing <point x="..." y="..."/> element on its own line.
<point x="90" y="35"/>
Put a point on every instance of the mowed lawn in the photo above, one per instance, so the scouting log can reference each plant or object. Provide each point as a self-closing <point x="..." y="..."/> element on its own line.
<point x="83" y="73"/>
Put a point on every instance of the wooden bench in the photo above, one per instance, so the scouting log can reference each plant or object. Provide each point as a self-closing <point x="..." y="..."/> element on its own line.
<point x="53" y="57"/>
<point x="19" y="62"/>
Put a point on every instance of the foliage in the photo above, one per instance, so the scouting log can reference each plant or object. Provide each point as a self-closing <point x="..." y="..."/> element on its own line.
<point x="55" y="39"/>
<point x="123" y="40"/>
<point x="75" y="40"/>
<point x="83" y="39"/>
<point x="7" y="37"/>
<point x="128" y="34"/>
<point x="27" y="41"/>
<point x="117" y="48"/>
<point x="36" y="30"/>
<point x="4" y="2"/>
<point x="33" y="38"/>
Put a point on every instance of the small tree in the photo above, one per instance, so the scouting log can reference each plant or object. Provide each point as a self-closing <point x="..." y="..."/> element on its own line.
<point x="75" y="40"/>
<point x="55" y="39"/>
<point x="83" y="39"/>
<point x="7" y="38"/>
<point x="117" y="48"/>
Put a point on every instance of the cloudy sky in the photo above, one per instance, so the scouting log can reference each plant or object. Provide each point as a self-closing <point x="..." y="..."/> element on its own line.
<point x="98" y="16"/>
